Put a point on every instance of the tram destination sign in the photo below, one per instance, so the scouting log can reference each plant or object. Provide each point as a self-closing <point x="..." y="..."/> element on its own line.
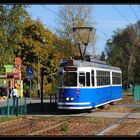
<point x="70" y="68"/>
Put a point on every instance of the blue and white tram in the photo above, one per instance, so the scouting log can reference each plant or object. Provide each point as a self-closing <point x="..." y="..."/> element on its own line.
<point x="87" y="85"/>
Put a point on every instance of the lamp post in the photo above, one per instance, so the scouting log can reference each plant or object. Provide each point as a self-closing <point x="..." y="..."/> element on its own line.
<point x="38" y="78"/>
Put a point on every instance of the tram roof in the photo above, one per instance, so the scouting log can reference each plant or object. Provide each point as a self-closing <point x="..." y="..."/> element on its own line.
<point x="83" y="63"/>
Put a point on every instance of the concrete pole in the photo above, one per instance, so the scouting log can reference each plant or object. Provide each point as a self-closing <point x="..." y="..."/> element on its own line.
<point x="38" y="78"/>
<point x="30" y="90"/>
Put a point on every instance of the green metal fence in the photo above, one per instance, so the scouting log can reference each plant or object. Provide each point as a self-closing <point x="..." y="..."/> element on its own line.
<point x="136" y="93"/>
<point x="8" y="108"/>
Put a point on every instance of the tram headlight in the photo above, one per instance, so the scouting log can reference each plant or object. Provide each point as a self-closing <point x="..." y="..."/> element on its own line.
<point x="71" y="99"/>
<point x="67" y="99"/>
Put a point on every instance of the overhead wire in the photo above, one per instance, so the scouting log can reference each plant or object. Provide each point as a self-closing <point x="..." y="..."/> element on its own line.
<point x="101" y="30"/>
<point x="120" y="14"/>
<point x="50" y="10"/>
<point x="133" y="11"/>
<point x="92" y="18"/>
<point x="72" y="19"/>
<point x="138" y="7"/>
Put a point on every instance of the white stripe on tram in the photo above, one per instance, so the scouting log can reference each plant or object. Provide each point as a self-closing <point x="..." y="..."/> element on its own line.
<point x="87" y="107"/>
<point x="84" y="103"/>
<point x="108" y="102"/>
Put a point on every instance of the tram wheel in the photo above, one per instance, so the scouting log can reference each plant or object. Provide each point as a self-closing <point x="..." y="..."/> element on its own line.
<point x="101" y="107"/>
<point x="88" y="110"/>
<point x="112" y="103"/>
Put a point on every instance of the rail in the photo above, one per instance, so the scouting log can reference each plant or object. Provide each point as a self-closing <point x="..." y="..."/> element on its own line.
<point x="113" y="125"/>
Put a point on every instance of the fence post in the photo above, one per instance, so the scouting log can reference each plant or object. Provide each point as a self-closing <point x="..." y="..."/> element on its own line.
<point x="55" y="98"/>
<point x="8" y="109"/>
<point x="25" y="106"/>
<point x="50" y="98"/>
<point x="17" y="107"/>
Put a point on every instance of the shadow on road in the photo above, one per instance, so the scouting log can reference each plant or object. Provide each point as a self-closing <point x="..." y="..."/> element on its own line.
<point x="48" y="109"/>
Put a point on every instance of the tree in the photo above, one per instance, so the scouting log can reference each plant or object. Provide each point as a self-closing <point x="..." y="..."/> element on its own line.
<point x="123" y="51"/>
<point x="102" y="56"/>
<point x="79" y="16"/>
<point x="10" y="29"/>
<point x="36" y="42"/>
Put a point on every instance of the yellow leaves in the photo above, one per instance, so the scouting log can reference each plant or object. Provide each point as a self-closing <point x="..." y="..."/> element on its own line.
<point x="1" y="34"/>
<point x="18" y="47"/>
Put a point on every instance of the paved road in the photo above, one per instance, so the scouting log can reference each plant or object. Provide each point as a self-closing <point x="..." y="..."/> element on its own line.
<point x="3" y="103"/>
<point x="92" y="114"/>
<point x="99" y="115"/>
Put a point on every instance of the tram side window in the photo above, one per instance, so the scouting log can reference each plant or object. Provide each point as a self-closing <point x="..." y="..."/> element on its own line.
<point x="87" y="79"/>
<point x="81" y="79"/>
<point x="108" y="78"/>
<point x="99" y="78"/>
<point x="103" y="78"/>
<point x="92" y="77"/>
<point x="116" y="78"/>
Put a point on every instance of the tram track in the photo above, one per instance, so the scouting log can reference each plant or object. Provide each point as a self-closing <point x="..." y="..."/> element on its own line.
<point x="29" y="126"/>
<point x="113" y="125"/>
<point x="14" y="125"/>
<point x="39" y="132"/>
<point x="45" y="129"/>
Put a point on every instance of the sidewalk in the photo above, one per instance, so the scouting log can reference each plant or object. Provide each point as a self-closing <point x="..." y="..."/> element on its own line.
<point x="114" y="115"/>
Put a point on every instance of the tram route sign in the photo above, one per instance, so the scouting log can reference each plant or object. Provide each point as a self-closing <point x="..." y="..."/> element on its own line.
<point x="29" y="77"/>
<point x="30" y="73"/>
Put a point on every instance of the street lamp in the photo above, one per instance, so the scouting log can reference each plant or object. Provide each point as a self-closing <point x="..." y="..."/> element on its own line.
<point x="82" y="35"/>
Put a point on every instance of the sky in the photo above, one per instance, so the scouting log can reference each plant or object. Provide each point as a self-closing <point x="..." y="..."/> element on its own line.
<point x="108" y="18"/>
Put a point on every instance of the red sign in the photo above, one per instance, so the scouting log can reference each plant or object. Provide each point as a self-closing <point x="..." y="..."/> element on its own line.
<point x="17" y="61"/>
<point x="17" y="76"/>
<point x="10" y="76"/>
<point x="17" y="68"/>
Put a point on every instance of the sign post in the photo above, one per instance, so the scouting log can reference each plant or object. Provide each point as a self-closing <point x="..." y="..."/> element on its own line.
<point x="30" y="76"/>
<point x="30" y="90"/>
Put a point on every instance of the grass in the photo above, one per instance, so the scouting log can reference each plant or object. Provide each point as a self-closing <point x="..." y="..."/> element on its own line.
<point x="64" y="128"/>
<point x="4" y="119"/>
<point x="93" y="120"/>
<point x="127" y="91"/>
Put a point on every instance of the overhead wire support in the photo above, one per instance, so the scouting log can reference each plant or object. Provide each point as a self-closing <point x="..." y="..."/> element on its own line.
<point x="120" y="14"/>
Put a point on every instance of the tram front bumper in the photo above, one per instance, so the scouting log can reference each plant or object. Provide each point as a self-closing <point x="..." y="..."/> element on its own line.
<point x="74" y="105"/>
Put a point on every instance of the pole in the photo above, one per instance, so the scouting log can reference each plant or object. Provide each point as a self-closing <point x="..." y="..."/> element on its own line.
<point x="8" y="104"/>
<point x="30" y="90"/>
<point x="80" y="50"/>
<point x="42" y="92"/>
<point x="38" y="78"/>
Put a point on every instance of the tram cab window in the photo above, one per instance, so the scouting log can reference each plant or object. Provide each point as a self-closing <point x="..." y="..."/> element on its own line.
<point x="92" y="77"/>
<point x="60" y="79"/>
<point x="70" y="79"/>
<point x="81" y="79"/>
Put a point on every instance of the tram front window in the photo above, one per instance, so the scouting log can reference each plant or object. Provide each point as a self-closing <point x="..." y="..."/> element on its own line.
<point x="70" y="79"/>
